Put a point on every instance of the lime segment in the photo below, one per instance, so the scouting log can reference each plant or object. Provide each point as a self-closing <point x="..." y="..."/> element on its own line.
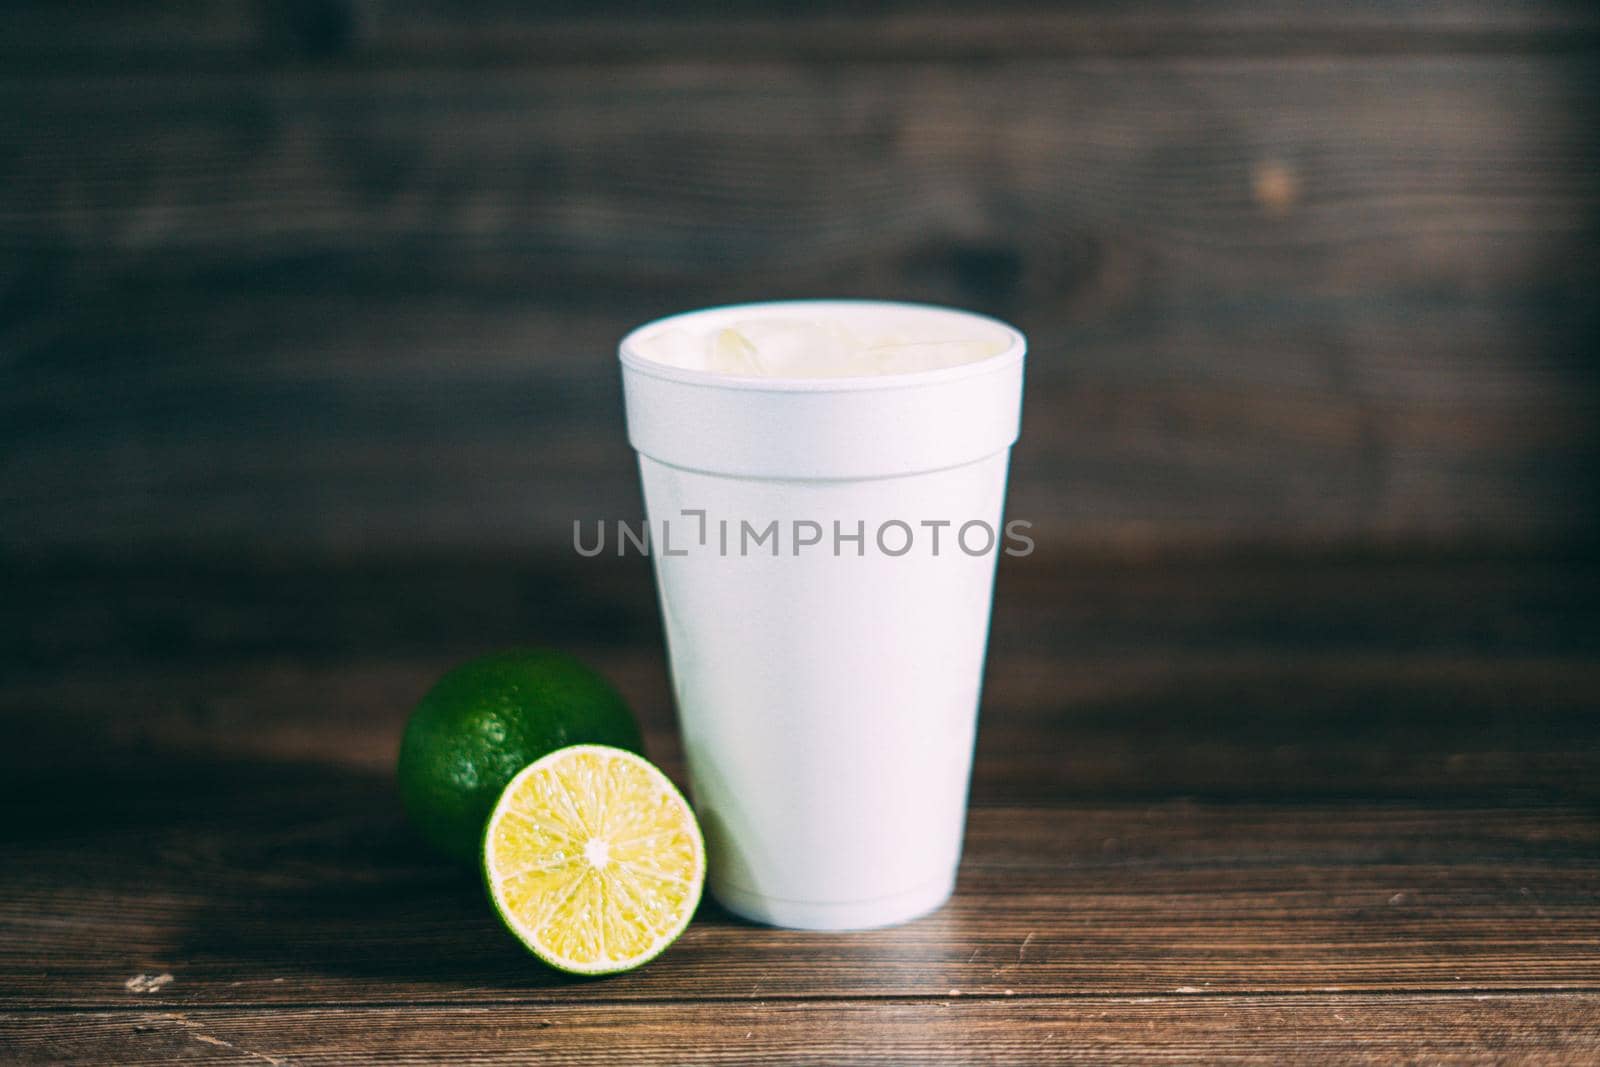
<point x="593" y="859"/>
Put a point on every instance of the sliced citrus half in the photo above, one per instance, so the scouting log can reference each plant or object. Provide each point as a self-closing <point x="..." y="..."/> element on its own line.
<point x="593" y="859"/>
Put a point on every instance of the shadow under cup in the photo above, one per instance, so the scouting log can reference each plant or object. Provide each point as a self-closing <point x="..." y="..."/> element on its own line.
<point x="824" y="550"/>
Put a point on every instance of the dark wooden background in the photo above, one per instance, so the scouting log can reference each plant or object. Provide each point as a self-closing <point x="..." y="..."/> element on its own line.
<point x="1289" y="745"/>
<point x="344" y="277"/>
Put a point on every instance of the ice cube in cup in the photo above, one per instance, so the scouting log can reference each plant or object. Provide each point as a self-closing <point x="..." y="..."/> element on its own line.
<point x="798" y="348"/>
<point x="730" y="352"/>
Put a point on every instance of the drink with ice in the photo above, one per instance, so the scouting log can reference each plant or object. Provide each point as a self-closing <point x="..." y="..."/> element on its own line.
<point x="817" y="347"/>
<point x="826" y="673"/>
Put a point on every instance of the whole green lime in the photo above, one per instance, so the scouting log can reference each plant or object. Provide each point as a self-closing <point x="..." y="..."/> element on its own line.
<point x="488" y="719"/>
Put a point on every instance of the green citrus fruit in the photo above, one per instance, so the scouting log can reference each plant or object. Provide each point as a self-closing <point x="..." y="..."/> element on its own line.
<point x="488" y="719"/>
<point x="593" y="860"/>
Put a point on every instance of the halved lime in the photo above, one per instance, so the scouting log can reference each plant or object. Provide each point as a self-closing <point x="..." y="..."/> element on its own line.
<point x="593" y="859"/>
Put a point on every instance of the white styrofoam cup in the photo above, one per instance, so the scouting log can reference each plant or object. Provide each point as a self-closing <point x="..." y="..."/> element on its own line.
<point x="827" y="689"/>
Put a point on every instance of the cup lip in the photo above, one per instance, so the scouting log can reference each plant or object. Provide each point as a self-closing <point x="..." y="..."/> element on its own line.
<point x="1016" y="348"/>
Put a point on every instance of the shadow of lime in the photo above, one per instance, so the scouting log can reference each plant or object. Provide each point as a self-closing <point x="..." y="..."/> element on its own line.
<point x="271" y="883"/>
<point x="346" y="891"/>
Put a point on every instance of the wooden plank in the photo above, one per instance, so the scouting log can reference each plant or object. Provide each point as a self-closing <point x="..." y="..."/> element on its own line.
<point x="1451" y="679"/>
<point x="74" y="616"/>
<point x="283" y="883"/>
<point x="1226" y="727"/>
<point x="1288" y="301"/>
<point x="1268" y="1030"/>
<point x="40" y="32"/>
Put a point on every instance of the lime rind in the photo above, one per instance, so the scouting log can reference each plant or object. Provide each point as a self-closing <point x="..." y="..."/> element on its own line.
<point x="484" y="721"/>
<point x="529" y="936"/>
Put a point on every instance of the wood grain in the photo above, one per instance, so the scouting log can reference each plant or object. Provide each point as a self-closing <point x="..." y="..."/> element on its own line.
<point x="77" y="616"/>
<point x="1364" y="776"/>
<point x="1273" y="300"/>
<point x="1267" y="1030"/>
<point x="234" y="31"/>
<point x="1316" y="729"/>
<point x="296" y="887"/>
<point x="1454" y="679"/>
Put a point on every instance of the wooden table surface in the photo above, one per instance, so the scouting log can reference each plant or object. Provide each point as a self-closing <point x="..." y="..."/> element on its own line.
<point x="1258" y="810"/>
